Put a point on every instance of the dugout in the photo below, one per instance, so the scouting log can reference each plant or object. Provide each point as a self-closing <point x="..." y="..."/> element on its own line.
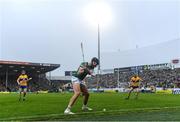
<point x="10" y="70"/>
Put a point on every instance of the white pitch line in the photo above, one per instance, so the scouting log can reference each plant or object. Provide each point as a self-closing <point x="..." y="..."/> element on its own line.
<point x="83" y="113"/>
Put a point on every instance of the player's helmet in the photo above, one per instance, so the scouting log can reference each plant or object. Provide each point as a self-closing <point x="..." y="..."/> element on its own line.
<point x="94" y="59"/>
<point x="23" y="72"/>
<point x="135" y="75"/>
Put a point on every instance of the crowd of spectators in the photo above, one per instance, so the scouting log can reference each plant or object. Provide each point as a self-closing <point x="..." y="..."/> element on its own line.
<point x="167" y="78"/>
<point x="36" y="84"/>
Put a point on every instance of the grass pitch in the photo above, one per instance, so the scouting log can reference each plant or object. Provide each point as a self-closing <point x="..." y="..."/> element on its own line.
<point x="153" y="107"/>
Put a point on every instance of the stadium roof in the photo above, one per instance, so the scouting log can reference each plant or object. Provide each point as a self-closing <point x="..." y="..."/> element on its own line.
<point x="14" y="67"/>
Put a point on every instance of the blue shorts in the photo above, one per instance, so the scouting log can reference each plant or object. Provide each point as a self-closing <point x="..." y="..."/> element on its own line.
<point x="23" y="87"/>
<point x="134" y="87"/>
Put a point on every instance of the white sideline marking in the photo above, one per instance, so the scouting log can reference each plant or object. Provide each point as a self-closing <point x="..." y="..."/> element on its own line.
<point x="83" y="113"/>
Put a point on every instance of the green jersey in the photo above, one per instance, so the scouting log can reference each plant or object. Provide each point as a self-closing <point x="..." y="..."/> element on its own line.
<point x="87" y="67"/>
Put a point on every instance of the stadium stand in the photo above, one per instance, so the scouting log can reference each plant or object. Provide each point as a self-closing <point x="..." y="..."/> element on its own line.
<point x="10" y="70"/>
<point x="159" y="77"/>
<point x="167" y="78"/>
<point x="60" y="83"/>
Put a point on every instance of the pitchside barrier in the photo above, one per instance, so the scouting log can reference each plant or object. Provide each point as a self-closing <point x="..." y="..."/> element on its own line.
<point x="5" y="92"/>
<point x="176" y="91"/>
<point x="106" y="90"/>
<point x="159" y="90"/>
<point x="168" y="91"/>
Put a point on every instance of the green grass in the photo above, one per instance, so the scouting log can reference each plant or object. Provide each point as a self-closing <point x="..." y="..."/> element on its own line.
<point x="51" y="107"/>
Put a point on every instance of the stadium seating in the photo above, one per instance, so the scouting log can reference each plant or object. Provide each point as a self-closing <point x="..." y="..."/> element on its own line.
<point x="167" y="78"/>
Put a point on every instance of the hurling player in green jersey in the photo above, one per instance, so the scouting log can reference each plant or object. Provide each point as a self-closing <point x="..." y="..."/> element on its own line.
<point x="78" y="85"/>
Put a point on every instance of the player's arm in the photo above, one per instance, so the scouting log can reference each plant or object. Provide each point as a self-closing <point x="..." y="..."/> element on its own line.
<point x="141" y="83"/>
<point x="140" y="79"/>
<point x="29" y="79"/>
<point x="18" y="80"/>
<point x="131" y="82"/>
<point x="91" y="72"/>
<point x="81" y="70"/>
